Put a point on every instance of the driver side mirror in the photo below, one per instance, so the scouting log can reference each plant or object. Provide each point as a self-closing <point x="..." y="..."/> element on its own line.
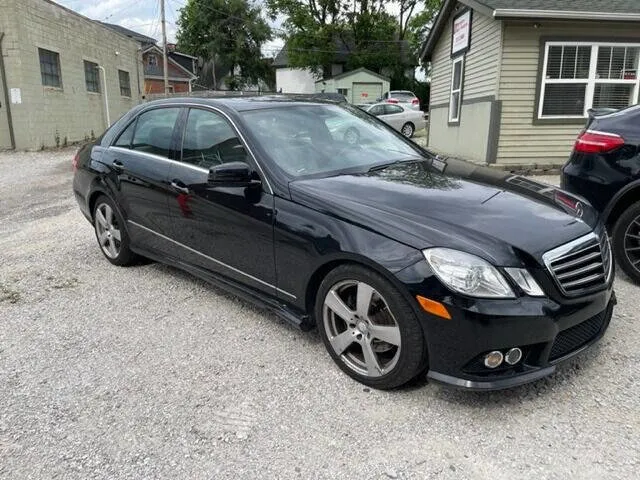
<point x="231" y="174"/>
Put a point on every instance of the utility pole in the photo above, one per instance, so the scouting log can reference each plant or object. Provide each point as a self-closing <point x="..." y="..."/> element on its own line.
<point x="164" y="49"/>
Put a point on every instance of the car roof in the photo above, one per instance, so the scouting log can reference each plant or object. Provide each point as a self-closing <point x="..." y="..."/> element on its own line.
<point x="245" y="103"/>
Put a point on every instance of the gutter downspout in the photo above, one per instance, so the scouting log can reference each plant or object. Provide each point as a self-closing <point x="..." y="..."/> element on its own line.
<point x="106" y="95"/>
<point x="6" y="96"/>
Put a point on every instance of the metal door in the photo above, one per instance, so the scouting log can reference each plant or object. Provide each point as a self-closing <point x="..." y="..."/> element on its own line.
<point x="366" y="92"/>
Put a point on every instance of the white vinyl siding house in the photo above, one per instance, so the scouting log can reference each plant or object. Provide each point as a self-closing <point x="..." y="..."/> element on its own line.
<point x="525" y="138"/>
<point x="529" y="81"/>
<point x="470" y="129"/>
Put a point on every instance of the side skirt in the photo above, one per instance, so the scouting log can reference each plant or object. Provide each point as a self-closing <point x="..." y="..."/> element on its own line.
<point x="295" y="318"/>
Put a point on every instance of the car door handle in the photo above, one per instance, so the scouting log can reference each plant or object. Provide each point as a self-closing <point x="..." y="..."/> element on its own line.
<point x="179" y="186"/>
<point x="118" y="166"/>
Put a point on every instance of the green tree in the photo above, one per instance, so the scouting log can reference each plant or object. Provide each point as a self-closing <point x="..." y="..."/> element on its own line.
<point x="360" y="33"/>
<point x="228" y="35"/>
<point x="420" y="24"/>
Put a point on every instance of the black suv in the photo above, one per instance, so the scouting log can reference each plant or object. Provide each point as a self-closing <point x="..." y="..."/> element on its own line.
<point x="604" y="168"/>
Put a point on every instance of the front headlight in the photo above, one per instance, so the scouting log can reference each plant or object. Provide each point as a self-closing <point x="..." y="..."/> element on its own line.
<point x="467" y="274"/>
<point x="525" y="281"/>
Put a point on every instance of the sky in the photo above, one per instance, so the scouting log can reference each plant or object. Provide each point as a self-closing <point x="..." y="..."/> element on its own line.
<point x="143" y="16"/>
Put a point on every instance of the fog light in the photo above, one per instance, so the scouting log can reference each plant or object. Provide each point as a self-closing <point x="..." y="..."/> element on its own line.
<point x="513" y="356"/>
<point x="493" y="359"/>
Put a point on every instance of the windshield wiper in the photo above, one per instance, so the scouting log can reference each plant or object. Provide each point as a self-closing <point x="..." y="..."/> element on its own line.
<point x="382" y="166"/>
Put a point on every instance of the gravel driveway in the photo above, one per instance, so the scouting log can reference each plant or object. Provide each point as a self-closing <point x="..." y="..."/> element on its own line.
<point x="147" y="372"/>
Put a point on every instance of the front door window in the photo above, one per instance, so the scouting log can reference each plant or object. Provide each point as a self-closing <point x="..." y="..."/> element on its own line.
<point x="210" y="140"/>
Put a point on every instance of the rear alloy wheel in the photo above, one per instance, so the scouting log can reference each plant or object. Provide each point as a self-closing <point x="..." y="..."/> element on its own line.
<point x="626" y="241"/>
<point x="112" y="237"/>
<point x="407" y="130"/>
<point x="369" y="329"/>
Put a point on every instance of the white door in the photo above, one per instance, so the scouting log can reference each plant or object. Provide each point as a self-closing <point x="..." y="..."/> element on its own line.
<point x="394" y="115"/>
<point x="366" y="92"/>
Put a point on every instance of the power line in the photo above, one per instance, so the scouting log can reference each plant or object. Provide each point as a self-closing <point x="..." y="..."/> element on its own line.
<point x="120" y="11"/>
<point x="153" y="31"/>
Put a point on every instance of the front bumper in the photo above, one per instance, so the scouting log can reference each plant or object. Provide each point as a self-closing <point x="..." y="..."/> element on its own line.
<point x="547" y="330"/>
<point x="556" y="334"/>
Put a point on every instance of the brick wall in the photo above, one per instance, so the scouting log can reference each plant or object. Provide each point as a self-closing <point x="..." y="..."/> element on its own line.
<point x="45" y="112"/>
<point x="157" y="86"/>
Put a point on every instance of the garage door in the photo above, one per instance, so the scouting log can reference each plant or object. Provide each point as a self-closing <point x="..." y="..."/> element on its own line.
<point x="366" y="92"/>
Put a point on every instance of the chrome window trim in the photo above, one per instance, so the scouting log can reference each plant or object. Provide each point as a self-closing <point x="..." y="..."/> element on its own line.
<point x="158" y="157"/>
<point x="217" y="110"/>
<point x="255" y="279"/>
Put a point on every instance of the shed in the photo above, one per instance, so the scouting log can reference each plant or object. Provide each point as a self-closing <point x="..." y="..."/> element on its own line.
<point x="512" y="80"/>
<point x="359" y="86"/>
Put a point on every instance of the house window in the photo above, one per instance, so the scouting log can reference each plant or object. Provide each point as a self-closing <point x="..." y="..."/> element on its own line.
<point x="153" y="61"/>
<point x="91" y="77"/>
<point x="342" y="91"/>
<point x="50" y="68"/>
<point x="125" y="84"/>
<point x="578" y="76"/>
<point x="455" y="99"/>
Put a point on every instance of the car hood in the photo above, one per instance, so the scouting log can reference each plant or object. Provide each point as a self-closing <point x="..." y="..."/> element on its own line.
<point x="453" y="204"/>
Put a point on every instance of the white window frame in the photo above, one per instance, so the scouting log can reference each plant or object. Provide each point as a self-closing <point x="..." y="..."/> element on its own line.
<point x="454" y="117"/>
<point x="590" y="81"/>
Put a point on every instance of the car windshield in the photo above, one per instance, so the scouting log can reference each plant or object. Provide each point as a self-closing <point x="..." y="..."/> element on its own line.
<point x="326" y="139"/>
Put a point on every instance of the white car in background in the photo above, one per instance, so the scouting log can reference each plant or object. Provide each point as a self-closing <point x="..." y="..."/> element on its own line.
<point x="405" y="98"/>
<point x="401" y="117"/>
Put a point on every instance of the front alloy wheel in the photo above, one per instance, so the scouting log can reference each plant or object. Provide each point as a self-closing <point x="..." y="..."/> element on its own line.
<point x="368" y="328"/>
<point x="361" y="328"/>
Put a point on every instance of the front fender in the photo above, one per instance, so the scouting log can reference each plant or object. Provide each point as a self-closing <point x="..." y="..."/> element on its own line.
<point x="307" y="241"/>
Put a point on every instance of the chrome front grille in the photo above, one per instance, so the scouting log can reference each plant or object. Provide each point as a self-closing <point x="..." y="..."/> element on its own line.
<point x="582" y="265"/>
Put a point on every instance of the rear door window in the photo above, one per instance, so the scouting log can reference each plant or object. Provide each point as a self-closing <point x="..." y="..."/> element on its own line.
<point x="377" y="110"/>
<point x="125" y="138"/>
<point x="392" y="109"/>
<point x="154" y="130"/>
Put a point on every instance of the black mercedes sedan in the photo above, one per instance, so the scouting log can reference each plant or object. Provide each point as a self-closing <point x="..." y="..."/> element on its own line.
<point x="407" y="263"/>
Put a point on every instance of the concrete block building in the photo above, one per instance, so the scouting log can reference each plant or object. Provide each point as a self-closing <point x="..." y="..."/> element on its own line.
<point x="57" y="71"/>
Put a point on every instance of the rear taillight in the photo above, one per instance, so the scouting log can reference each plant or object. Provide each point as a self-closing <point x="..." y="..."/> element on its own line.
<point x="75" y="161"/>
<point x="591" y="141"/>
<point x="415" y="101"/>
<point x="392" y="100"/>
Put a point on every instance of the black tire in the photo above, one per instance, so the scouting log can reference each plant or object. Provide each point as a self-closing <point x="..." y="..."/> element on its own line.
<point x="121" y="254"/>
<point x="410" y="356"/>
<point x="408" y="129"/>
<point x="626" y="241"/>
